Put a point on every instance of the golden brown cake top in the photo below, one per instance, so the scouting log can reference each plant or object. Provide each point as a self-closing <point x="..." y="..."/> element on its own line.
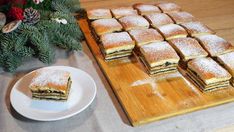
<point x="113" y="40"/>
<point x="171" y="30"/>
<point x="123" y="11"/>
<point x="54" y="79"/>
<point x="215" y="45"/>
<point x="208" y="70"/>
<point x="169" y="7"/>
<point x="134" y="22"/>
<point x="158" y="53"/>
<point x="159" y="19"/>
<point x="146" y="35"/>
<point x="146" y="8"/>
<point x="228" y="61"/>
<point x="188" y="47"/>
<point x="98" y="13"/>
<point x="181" y="17"/>
<point x="102" y="26"/>
<point x="197" y="28"/>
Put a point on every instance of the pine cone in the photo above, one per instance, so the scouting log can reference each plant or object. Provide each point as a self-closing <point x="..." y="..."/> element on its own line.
<point x="31" y="16"/>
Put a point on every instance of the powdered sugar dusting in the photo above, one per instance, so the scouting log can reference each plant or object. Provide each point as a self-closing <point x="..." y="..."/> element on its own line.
<point x="159" y="51"/>
<point x="106" y="22"/>
<point x="207" y="67"/>
<point x="44" y="77"/>
<point x="181" y="17"/>
<point x="214" y="44"/>
<point x="124" y="11"/>
<point x="197" y="27"/>
<point x="159" y="19"/>
<point x="146" y="8"/>
<point x="167" y="7"/>
<point x="115" y="38"/>
<point x="188" y="46"/>
<point x="171" y="28"/>
<point x="144" y="35"/>
<point x="134" y="21"/>
<point x="99" y="12"/>
<point x="228" y="59"/>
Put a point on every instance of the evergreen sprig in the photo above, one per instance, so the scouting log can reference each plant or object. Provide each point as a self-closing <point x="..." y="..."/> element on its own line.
<point x="40" y="39"/>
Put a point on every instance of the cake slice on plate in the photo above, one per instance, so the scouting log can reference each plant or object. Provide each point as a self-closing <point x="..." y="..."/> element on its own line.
<point x="50" y="84"/>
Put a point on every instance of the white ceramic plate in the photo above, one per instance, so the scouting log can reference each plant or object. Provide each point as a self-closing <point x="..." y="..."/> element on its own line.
<point x="82" y="93"/>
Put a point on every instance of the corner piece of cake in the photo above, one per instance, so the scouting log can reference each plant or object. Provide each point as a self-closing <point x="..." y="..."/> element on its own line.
<point x="197" y="29"/>
<point x="227" y="61"/>
<point x="116" y="45"/>
<point x="181" y="17"/>
<point x="159" y="58"/>
<point x="94" y="14"/>
<point x="50" y="84"/>
<point x="215" y="45"/>
<point x="208" y="74"/>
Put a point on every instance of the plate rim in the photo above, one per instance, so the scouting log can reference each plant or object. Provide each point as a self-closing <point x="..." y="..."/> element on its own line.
<point x="60" y="117"/>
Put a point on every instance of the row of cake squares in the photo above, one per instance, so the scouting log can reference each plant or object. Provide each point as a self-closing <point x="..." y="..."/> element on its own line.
<point x="155" y="20"/>
<point x="139" y="8"/>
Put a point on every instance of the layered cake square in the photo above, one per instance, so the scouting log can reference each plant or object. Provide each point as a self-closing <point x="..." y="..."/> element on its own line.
<point x="145" y="36"/>
<point x="169" y="7"/>
<point x="94" y="14"/>
<point x="159" y="58"/>
<point x="50" y="84"/>
<point x="172" y="31"/>
<point x="116" y="45"/>
<point x="158" y="19"/>
<point x="197" y="29"/>
<point x="227" y="60"/>
<point x="208" y="74"/>
<point x="215" y="45"/>
<point x="134" y="22"/>
<point x="181" y="17"/>
<point x="144" y="9"/>
<point x="123" y="11"/>
<point x="188" y="48"/>
<point x="103" y="26"/>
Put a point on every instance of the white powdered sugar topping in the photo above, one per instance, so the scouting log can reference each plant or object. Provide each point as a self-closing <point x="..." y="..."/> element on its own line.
<point x="99" y="12"/>
<point x="197" y="27"/>
<point x="188" y="46"/>
<point x="169" y="6"/>
<point x="134" y="20"/>
<point x="45" y="77"/>
<point x="159" y="51"/>
<point x="214" y="44"/>
<point x="106" y="22"/>
<point x="228" y="59"/>
<point x="207" y="66"/>
<point x="181" y="16"/>
<point x="171" y="28"/>
<point x="144" y="7"/>
<point x="159" y="19"/>
<point x="124" y="11"/>
<point x="115" y="38"/>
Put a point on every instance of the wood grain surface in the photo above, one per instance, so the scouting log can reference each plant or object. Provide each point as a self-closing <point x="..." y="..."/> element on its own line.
<point x="146" y="98"/>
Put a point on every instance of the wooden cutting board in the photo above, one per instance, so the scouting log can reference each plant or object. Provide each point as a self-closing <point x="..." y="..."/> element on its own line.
<point x="146" y="98"/>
